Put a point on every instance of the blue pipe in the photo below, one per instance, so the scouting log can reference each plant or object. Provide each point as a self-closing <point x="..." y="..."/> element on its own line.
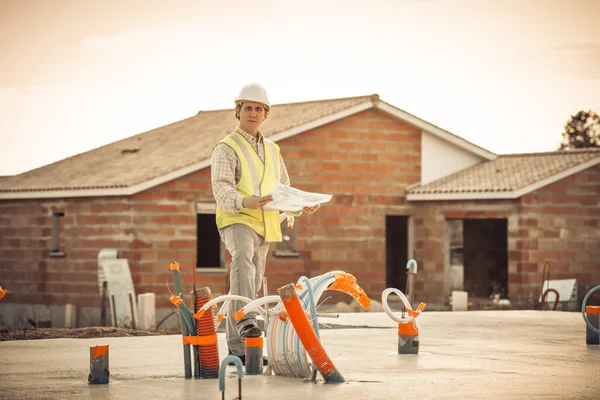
<point x="585" y="318"/>
<point x="188" y="317"/>
<point x="313" y="306"/>
<point x="185" y="331"/>
<point x="240" y="372"/>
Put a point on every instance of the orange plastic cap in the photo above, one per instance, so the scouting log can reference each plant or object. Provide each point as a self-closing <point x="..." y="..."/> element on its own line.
<point x="238" y="315"/>
<point x="200" y="313"/>
<point x="98" y="351"/>
<point x="346" y="283"/>
<point x="592" y="310"/>
<point x="174" y="266"/>
<point x="417" y="312"/>
<point x="282" y="316"/>
<point x="408" y="329"/>
<point x="2" y="292"/>
<point x="176" y="300"/>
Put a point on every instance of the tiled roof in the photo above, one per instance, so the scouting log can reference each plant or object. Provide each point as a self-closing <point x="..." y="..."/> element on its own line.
<point x="509" y="172"/>
<point x="162" y="150"/>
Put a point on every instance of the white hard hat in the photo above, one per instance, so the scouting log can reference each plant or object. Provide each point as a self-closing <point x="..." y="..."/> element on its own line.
<point x="253" y="92"/>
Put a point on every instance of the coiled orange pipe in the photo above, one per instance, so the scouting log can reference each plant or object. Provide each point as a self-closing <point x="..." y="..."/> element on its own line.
<point x="307" y="335"/>
<point x="209" y="353"/>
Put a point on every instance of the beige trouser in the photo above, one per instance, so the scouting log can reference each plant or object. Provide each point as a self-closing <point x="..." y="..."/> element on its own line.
<point x="248" y="257"/>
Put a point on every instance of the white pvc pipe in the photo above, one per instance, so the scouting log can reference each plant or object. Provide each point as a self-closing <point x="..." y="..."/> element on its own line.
<point x="388" y="311"/>
<point x="328" y="315"/>
<point x="259" y="302"/>
<point x="412" y="263"/>
<point x="227" y="297"/>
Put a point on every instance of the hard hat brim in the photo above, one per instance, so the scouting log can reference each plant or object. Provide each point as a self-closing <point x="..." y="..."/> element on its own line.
<point x="241" y="100"/>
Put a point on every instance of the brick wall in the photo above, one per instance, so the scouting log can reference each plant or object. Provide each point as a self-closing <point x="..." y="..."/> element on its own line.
<point x="166" y="231"/>
<point x="366" y="161"/>
<point x="28" y="271"/>
<point x="150" y="229"/>
<point x="559" y="223"/>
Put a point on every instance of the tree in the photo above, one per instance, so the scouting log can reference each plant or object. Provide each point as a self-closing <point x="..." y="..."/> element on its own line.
<point x="581" y="131"/>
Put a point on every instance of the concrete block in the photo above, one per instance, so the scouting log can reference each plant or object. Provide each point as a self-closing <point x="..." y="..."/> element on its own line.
<point x="70" y="316"/>
<point x="460" y="300"/>
<point x="146" y="311"/>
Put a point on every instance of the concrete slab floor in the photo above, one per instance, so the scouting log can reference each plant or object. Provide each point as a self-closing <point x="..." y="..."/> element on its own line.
<point x="463" y="355"/>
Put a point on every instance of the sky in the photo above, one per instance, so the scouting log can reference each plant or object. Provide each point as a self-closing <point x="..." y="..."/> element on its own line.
<point x="503" y="74"/>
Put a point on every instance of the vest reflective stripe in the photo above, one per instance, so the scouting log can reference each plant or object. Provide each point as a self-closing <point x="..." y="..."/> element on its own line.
<point x="276" y="159"/>
<point x="250" y="166"/>
<point x="258" y="179"/>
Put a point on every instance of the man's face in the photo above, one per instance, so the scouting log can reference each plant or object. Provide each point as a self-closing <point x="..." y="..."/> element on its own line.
<point x="251" y="116"/>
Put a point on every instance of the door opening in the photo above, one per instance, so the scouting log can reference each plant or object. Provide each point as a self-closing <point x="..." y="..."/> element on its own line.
<point x="396" y="251"/>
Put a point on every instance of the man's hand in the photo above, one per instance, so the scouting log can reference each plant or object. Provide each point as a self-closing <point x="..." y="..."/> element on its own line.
<point x="255" y="202"/>
<point x="311" y="210"/>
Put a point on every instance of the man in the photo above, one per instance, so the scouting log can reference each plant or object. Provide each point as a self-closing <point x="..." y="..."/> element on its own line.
<point x="245" y="167"/>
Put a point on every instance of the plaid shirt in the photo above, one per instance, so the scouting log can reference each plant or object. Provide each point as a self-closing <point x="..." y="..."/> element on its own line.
<point x="226" y="172"/>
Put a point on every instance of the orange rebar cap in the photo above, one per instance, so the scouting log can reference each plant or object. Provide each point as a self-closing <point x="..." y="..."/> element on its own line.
<point x="174" y="266"/>
<point x="408" y="329"/>
<point x="592" y="310"/>
<point x="346" y="283"/>
<point x="417" y="312"/>
<point x="2" y="292"/>
<point x="283" y="316"/>
<point x="98" y="351"/>
<point x="176" y="300"/>
<point x="254" y="341"/>
<point x="238" y="315"/>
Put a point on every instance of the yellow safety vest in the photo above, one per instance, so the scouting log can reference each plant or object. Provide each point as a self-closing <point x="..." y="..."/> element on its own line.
<point x="258" y="179"/>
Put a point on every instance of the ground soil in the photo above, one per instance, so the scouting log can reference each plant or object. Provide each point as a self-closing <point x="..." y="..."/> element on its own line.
<point x="78" y="333"/>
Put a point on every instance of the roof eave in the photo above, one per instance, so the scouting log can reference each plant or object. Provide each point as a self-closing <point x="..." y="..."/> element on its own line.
<point x="105" y="192"/>
<point x="128" y="191"/>
<point x="62" y="193"/>
<point x="462" y="196"/>
<point x="373" y="102"/>
<point x="508" y="194"/>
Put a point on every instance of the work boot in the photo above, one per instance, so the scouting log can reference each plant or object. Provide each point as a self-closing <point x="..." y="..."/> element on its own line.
<point x="250" y="331"/>
<point x="243" y="360"/>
